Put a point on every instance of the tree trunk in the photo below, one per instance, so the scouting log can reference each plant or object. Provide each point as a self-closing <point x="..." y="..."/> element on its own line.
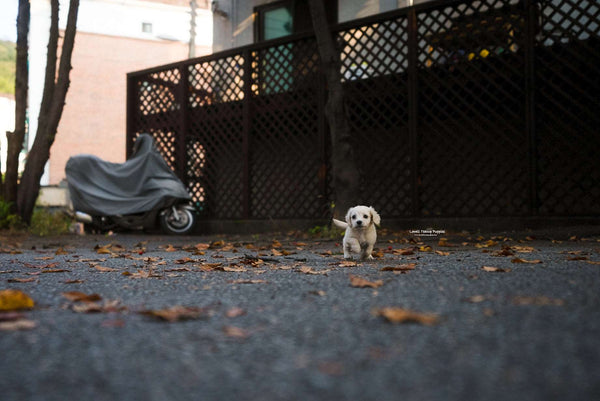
<point x="53" y="102"/>
<point x="344" y="171"/>
<point x="15" y="139"/>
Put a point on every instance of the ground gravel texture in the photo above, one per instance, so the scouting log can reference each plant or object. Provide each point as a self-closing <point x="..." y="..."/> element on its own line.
<point x="451" y="316"/>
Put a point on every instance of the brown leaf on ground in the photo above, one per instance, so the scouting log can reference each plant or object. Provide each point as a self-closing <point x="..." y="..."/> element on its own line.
<point x="486" y="244"/>
<point x="401" y="315"/>
<point x="14" y="300"/>
<point x="55" y="271"/>
<point x="19" y="324"/>
<point x="22" y="280"/>
<point x="442" y="253"/>
<point x="46" y="266"/>
<point x="520" y="260"/>
<point x="247" y="281"/>
<point x="177" y="313"/>
<point x="537" y="301"/>
<point x="184" y="261"/>
<point x="359" y="282"/>
<point x="235" y="312"/>
<point x="102" y="269"/>
<point x="78" y="296"/>
<point x="108" y="306"/>
<point x="492" y="269"/>
<point x="235" y="332"/>
<point x="402" y="268"/>
<point x="404" y="251"/>
<point x="523" y="249"/>
<point x="345" y="263"/>
<point x="208" y="267"/>
<point x="444" y="242"/>
<point x="309" y="270"/>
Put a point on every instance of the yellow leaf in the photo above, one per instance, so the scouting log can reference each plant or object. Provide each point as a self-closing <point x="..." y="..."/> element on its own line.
<point x="400" y="315"/>
<point x="14" y="300"/>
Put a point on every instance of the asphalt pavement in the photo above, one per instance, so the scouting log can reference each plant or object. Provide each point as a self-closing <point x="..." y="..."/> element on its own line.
<point x="436" y="316"/>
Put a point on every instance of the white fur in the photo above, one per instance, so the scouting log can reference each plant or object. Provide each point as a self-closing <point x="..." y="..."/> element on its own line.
<point x="360" y="234"/>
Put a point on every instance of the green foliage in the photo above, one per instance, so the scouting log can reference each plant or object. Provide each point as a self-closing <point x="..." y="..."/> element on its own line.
<point x="45" y="222"/>
<point x="8" y="64"/>
<point x="326" y="231"/>
<point x="8" y="220"/>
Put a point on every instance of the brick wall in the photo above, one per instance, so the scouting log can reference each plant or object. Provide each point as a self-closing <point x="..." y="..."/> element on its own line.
<point x="93" y="119"/>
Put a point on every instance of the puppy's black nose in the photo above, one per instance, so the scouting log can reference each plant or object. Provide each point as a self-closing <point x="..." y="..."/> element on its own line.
<point x="359" y="223"/>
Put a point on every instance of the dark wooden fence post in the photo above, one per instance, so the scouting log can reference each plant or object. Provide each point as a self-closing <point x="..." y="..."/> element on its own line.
<point x="184" y="125"/>
<point x="413" y="107"/>
<point x="247" y="127"/>
<point x="530" y="32"/>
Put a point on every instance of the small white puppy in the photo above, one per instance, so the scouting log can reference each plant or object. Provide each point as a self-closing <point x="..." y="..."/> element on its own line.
<point x="360" y="231"/>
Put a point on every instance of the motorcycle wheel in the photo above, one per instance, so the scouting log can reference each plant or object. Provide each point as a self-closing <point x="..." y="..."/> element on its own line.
<point x="178" y="220"/>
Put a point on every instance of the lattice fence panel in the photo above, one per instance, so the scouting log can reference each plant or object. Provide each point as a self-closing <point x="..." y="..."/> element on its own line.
<point x="473" y="145"/>
<point x="374" y="71"/>
<point x="568" y="86"/>
<point x="158" y="111"/>
<point x="256" y="145"/>
<point x="286" y="151"/>
<point x="214" y="144"/>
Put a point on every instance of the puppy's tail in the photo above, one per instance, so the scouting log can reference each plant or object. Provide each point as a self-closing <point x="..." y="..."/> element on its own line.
<point x="340" y="224"/>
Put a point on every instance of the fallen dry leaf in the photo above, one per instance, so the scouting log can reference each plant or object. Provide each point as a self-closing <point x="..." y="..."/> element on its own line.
<point x="444" y="242"/>
<point x="177" y="313"/>
<point x="442" y="253"/>
<point x="401" y="315"/>
<point x="235" y="312"/>
<point x="309" y="270"/>
<point x="520" y="260"/>
<point x="184" y="260"/>
<point x="108" y="306"/>
<point x="402" y="268"/>
<point x="247" y="281"/>
<point x="14" y="300"/>
<point x="404" y="251"/>
<point x="537" y="301"/>
<point x="77" y="296"/>
<point x="22" y="280"/>
<point x="359" y="282"/>
<point x="103" y="269"/>
<point x="523" y="249"/>
<point x="486" y="244"/>
<point x="19" y="324"/>
<point x="235" y="332"/>
<point x="493" y="269"/>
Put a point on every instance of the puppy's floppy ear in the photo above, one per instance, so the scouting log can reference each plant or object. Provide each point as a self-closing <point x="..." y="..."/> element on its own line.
<point x="375" y="216"/>
<point x="348" y="216"/>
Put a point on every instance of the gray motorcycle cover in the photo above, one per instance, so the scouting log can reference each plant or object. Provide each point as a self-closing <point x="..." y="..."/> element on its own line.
<point x="142" y="183"/>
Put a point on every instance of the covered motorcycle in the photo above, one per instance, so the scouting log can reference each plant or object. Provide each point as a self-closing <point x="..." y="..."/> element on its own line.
<point x="135" y="194"/>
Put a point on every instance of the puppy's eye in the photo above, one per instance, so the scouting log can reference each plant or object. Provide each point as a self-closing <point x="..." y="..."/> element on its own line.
<point x="353" y="217"/>
<point x="365" y="216"/>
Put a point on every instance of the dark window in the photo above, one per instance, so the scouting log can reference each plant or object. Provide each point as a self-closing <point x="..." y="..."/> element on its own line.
<point x="286" y="17"/>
